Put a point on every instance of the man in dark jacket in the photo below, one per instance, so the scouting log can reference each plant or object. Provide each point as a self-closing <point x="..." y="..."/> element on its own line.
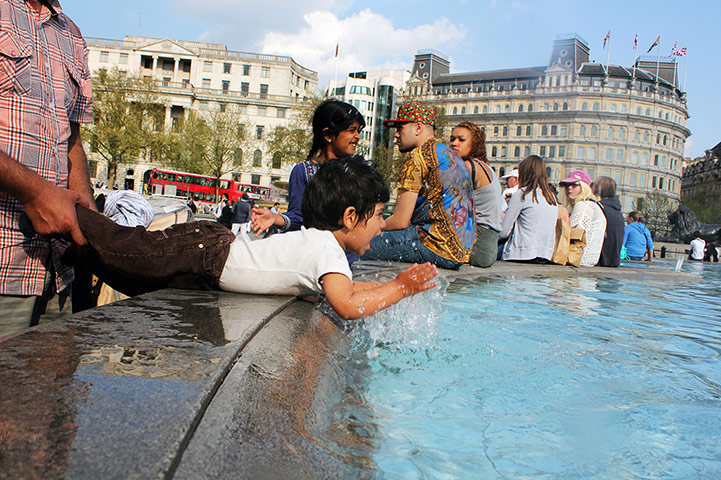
<point x="605" y="188"/>
<point x="241" y="214"/>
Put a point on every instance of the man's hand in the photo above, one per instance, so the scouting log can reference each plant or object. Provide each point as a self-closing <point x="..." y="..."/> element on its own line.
<point x="415" y="278"/>
<point x="52" y="212"/>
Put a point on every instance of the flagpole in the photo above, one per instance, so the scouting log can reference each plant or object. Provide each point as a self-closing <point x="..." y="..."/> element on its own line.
<point x="335" y="79"/>
<point x="685" y="59"/>
<point x="675" y="58"/>
<point x="608" y="53"/>
<point x="635" y="56"/>
<point x="658" y="60"/>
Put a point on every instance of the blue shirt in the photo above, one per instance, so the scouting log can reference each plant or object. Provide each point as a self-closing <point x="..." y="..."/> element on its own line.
<point x="637" y="239"/>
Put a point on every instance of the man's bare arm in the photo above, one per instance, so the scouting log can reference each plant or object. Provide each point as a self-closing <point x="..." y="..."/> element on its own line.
<point x="78" y="175"/>
<point x="403" y="212"/>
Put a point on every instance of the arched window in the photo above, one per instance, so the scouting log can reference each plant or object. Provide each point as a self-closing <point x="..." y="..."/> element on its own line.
<point x="519" y="129"/>
<point x="609" y="154"/>
<point x="555" y="106"/>
<point x="494" y="151"/>
<point x="637" y="136"/>
<point x="596" y="106"/>
<point x="565" y="106"/>
<point x="277" y="160"/>
<point x="530" y="107"/>
<point x="475" y="109"/>
<point x="648" y="112"/>
<point x="544" y="130"/>
<point x="584" y="106"/>
<point x="520" y="108"/>
<point x="666" y="115"/>
<point x="554" y="130"/>
<point x="505" y="130"/>
<point x="257" y="158"/>
<point x="507" y="109"/>
<point x="638" y="110"/>
<point x="646" y="136"/>
<point x="634" y="158"/>
<point x="526" y="151"/>
<point x="582" y="131"/>
<point x="580" y="152"/>
<point x="621" y="133"/>
<point x="658" y="138"/>
<point x="528" y="131"/>
<point x="485" y="108"/>
<point x="503" y="151"/>
<point x="546" y="107"/>
<point x="463" y="110"/>
<point x="517" y="151"/>
<point x="548" y="172"/>
<point x="455" y="110"/>
<point x="502" y="171"/>
<point x="624" y="108"/>
<point x="497" y="109"/>
<point x="594" y="131"/>
<point x="495" y="131"/>
<point x="660" y="115"/>
<point x="238" y="157"/>
<point x="611" y="133"/>
<point x="665" y="139"/>
<point x="619" y="156"/>
<point x="612" y="108"/>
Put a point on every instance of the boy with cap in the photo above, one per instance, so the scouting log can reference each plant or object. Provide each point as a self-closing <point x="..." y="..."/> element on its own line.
<point x="436" y="172"/>
<point x="511" y="186"/>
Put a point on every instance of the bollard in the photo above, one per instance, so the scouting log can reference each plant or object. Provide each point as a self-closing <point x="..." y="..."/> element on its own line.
<point x="663" y="251"/>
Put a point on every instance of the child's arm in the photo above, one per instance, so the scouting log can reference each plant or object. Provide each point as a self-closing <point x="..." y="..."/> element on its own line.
<point x="349" y="303"/>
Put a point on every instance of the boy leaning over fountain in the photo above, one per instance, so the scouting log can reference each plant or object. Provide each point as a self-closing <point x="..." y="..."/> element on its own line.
<point x="342" y="210"/>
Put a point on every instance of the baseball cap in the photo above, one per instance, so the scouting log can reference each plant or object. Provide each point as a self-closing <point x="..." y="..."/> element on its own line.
<point x="413" y="112"/>
<point x="514" y="173"/>
<point x="576" y="176"/>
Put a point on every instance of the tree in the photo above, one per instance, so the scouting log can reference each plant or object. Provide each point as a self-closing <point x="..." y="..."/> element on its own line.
<point x="655" y="208"/>
<point x="128" y="118"/>
<point x="388" y="161"/>
<point x="208" y="143"/>
<point x="293" y="141"/>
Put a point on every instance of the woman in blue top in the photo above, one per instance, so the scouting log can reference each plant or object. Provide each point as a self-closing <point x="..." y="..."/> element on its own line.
<point x="637" y="238"/>
<point x="337" y="129"/>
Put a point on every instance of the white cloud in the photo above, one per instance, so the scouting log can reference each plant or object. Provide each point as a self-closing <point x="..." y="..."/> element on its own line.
<point x="368" y="41"/>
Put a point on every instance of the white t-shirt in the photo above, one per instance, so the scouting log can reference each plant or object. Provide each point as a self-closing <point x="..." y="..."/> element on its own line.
<point x="697" y="247"/>
<point x="283" y="264"/>
<point x="507" y="194"/>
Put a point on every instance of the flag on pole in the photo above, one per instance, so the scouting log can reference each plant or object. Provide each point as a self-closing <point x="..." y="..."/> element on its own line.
<point x="673" y="49"/>
<point x="681" y="52"/>
<point x="658" y="39"/>
<point x="635" y="42"/>
<point x="336" y="48"/>
<point x="605" y="39"/>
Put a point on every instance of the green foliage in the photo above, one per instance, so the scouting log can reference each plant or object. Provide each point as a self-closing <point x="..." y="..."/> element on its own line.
<point x="707" y="209"/>
<point x="207" y="142"/>
<point x="293" y="141"/>
<point x="655" y="209"/>
<point x="388" y="161"/>
<point x="128" y="118"/>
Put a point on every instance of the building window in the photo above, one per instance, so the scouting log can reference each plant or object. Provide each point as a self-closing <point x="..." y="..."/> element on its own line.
<point x="207" y="66"/>
<point x="594" y="131"/>
<point x="263" y="90"/>
<point x="555" y="106"/>
<point x="584" y="106"/>
<point x="591" y="153"/>
<point x="519" y="129"/>
<point x="611" y="133"/>
<point x="277" y="157"/>
<point x="665" y="139"/>
<point x="554" y="130"/>
<point x="206" y="83"/>
<point x="262" y="111"/>
<point x="609" y="155"/>
<point x="259" y="131"/>
<point x="517" y="151"/>
<point x="634" y="158"/>
<point x="648" y="112"/>
<point x="463" y="110"/>
<point x="494" y="151"/>
<point x="565" y="106"/>
<point x="612" y="108"/>
<point x="619" y="156"/>
<point x="564" y="130"/>
<point x="104" y="56"/>
<point x="495" y="131"/>
<point x="238" y="157"/>
<point x="543" y="151"/>
<point x="580" y="152"/>
<point x="526" y="151"/>
<point x="246" y="69"/>
<point x="562" y="151"/>
<point x="544" y="131"/>
<point x="646" y="136"/>
<point x="497" y="109"/>
<point x="624" y="108"/>
<point x="123" y="59"/>
<point x="621" y="133"/>
<point x="507" y="109"/>
<point x="455" y="110"/>
<point x="582" y="131"/>
<point x="644" y="159"/>
<point x="226" y="86"/>
<point x="475" y="109"/>
<point x="528" y="130"/>
<point x="485" y="108"/>
<point x="503" y="151"/>
<point x="226" y="67"/>
<point x="653" y="181"/>
<point x="257" y="159"/>
<point x="244" y="88"/>
<point x="520" y="108"/>
<point x="638" y="111"/>
<point x="530" y="107"/>
<point x="551" y="151"/>
<point x="265" y="72"/>
<point x="505" y="130"/>
<point x="596" y="106"/>
<point x="280" y="112"/>
<point x="221" y="107"/>
<point x="655" y="160"/>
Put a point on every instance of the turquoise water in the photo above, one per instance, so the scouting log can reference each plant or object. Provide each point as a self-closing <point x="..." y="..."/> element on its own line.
<point x="549" y="378"/>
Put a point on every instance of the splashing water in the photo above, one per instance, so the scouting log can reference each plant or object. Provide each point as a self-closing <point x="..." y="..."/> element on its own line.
<point x="411" y="323"/>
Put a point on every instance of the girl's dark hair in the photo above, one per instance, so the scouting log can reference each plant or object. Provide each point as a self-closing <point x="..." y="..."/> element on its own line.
<point x="636" y="216"/>
<point x="478" y="141"/>
<point x="605" y="187"/>
<point x="339" y="184"/>
<point x="531" y="175"/>
<point x="330" y="118"/>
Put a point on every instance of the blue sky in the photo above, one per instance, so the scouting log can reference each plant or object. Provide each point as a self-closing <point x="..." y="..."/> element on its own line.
<point x="476" y="35"/>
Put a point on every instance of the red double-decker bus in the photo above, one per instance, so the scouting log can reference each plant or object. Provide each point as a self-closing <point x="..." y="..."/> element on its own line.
<point x="202" y="187"/>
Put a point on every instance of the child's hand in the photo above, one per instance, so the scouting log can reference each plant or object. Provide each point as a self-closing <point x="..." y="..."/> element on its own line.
<point x="414" y="279"/>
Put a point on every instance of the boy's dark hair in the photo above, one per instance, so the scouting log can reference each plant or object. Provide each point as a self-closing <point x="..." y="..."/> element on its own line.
<point x="339" y="184"/>
<point x="605" y="187"/>
<point x="330" y="118"/>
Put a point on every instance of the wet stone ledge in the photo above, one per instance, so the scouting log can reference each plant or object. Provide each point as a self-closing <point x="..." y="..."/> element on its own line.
<point x="189" y="384"/>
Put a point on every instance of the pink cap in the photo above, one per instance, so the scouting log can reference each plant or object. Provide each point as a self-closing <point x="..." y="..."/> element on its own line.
<point x="576" y="176"/>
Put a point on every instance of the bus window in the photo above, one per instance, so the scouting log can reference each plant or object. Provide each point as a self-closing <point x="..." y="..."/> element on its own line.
<point x="157" y="175"/>
<point x="212" y="183"/>
<point x="169" y="177"/>
<point x="225" y="184"/>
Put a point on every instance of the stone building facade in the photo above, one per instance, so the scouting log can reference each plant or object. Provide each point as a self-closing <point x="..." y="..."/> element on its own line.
<point x="208" y="76"/>
<point x="702" y="180"/>
<point x="623" y="122"/>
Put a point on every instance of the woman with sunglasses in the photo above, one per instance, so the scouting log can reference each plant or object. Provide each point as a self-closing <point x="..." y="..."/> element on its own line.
<point x="586" y="214"/>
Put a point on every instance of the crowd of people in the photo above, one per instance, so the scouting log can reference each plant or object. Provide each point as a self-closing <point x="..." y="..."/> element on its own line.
<point x="451" y="207"/>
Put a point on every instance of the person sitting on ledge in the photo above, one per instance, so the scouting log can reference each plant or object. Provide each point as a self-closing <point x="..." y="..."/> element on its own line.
<point x="342" y="210"/>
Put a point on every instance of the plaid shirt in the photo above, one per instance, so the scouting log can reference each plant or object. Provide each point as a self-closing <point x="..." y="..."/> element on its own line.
<point x="44" y="86"/>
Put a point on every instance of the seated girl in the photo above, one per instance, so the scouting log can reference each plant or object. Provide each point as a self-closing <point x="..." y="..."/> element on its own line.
<point x="586" y="214"/>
